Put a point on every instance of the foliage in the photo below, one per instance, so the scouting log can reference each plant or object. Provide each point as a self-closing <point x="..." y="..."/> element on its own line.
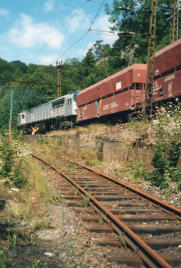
<point x="137" y="20"/>
<point x="137" y="169"/>
<point x="86" y="200"/>
<point x="166" y="151"/>
<point x="10" y="166"/>
<point x="5" y="262"/>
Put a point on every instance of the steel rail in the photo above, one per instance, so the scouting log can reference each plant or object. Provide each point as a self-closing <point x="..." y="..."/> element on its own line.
<point x="161" y="203"/>
<point x="146" y="252"/>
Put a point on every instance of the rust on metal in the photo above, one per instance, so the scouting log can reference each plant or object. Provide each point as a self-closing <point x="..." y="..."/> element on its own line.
<point x="146" y="252"/>
<point x="167" y="206"/>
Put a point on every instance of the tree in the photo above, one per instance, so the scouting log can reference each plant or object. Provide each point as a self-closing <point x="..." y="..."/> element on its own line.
<point x="137" y="20"/>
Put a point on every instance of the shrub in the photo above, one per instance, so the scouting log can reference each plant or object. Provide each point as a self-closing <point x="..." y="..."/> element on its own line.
<point x="166" y="151"/>
<point x="10" y="167"/>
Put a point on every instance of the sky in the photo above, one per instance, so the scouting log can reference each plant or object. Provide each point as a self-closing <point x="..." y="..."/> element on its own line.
<point x="43" y="31"/>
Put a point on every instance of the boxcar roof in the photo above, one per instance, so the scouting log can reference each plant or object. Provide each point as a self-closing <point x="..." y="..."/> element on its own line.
<point x="132" y="67"/>
<point x="170" y="46"/>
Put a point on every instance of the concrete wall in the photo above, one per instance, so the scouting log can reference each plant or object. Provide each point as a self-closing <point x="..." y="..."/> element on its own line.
<point x="108" y="150"/>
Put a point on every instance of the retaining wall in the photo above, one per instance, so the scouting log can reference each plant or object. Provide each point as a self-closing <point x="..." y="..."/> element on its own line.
<point x="108" y="150"/>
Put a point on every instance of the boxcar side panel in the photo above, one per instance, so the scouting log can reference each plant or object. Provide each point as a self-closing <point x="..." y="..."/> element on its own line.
<point x="86" y="112"/>
<point x="167" y="87"/>
<point x="168" y="58"/>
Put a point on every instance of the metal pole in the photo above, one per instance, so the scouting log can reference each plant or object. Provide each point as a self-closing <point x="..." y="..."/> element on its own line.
<point x="59" y="67"/>
<point x="10" y="117"/>
<point x="175" y="21"/>
<point x="150" y="61"/>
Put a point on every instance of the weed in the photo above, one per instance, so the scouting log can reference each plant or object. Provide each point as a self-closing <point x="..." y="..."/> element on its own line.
<point x="36" y="264"/>
<point x="57" y="198"/>
<point x="62" y="222"/>
<point x="122" y="240"/>
<point x="166" y="151"/>
<point x="76" y="190"/>
<point x="17" y="210"/>
<point x="42" y="226"/>
<point x="72" y="254"/>
<point x="43" y="140"/>
<point x="37" y="182"/>
<point x="102" y="221"/>
<point x="71" y="165"/>
<point x="137" y="170"/>
<point x="32" y="239"/>
<point x="86" y="200"/>
<point x="12" y="239"/>
<point x="5" y="262"/>
<point x="11" y="165"/>
<point x="59" y="142"/>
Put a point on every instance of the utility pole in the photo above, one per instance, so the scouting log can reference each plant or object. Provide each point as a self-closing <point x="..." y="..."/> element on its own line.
<point x="175" y="21"/>
<point x="150" y="61"/>
<point x="59" y="68"/>
<point x="10" y="117"/>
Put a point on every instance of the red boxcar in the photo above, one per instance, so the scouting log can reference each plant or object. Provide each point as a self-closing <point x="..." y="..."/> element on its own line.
<point x="120" y="92"/>
<point x="167" y="81"/>
<point x="167" y="87"/>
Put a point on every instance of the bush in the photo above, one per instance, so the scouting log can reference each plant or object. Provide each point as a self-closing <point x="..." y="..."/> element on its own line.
<point x="10" y="166"/>
<point x="166" y="152"/>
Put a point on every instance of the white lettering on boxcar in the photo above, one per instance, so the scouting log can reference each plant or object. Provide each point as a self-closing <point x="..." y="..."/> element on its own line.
<point x="106" y="107"/>
<point x="169" y="77"/>
<point x="170" y="86"/>
<point x="118" y="85"/>
<point x="114" y="104"/>
<point x="156" y="88"/>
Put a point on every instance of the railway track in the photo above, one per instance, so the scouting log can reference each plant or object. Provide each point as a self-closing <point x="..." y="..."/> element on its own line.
<point x="148" y="230"/>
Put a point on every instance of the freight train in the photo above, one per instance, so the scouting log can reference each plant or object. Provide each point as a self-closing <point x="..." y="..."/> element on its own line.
<point x="119" y="94"/>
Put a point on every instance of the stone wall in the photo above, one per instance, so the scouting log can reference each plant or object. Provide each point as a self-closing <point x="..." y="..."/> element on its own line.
<point x="108" y="150"/>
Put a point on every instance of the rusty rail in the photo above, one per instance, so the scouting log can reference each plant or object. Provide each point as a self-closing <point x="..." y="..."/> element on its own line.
<point x="153" y="199"/>
<point x="149" y="256"/>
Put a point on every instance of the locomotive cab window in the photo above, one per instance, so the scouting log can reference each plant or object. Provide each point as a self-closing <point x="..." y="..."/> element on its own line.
<point x="58" y="103"/>
<point x="69" y="101"/>
<point x="23" y="116"/>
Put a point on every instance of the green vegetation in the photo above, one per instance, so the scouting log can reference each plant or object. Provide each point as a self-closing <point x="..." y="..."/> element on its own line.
<point x="122" y="240"/>
<point x="86" y="200"/>
<point x="11" y="164"/>
<point x="167" y="149"/>
<point x="137" y="170"/>
<point x="5" y="261"/>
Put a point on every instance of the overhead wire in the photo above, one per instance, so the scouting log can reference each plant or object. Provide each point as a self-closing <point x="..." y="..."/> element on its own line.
<point x="105" y="34"/>
<point x="84" y="3"/>
<point x="77" y="11"/>
<point x="77" y="41"/>
<point x="99" y="9"/>
<point x="87" y="31"/>
<point x="25" y="82"/>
